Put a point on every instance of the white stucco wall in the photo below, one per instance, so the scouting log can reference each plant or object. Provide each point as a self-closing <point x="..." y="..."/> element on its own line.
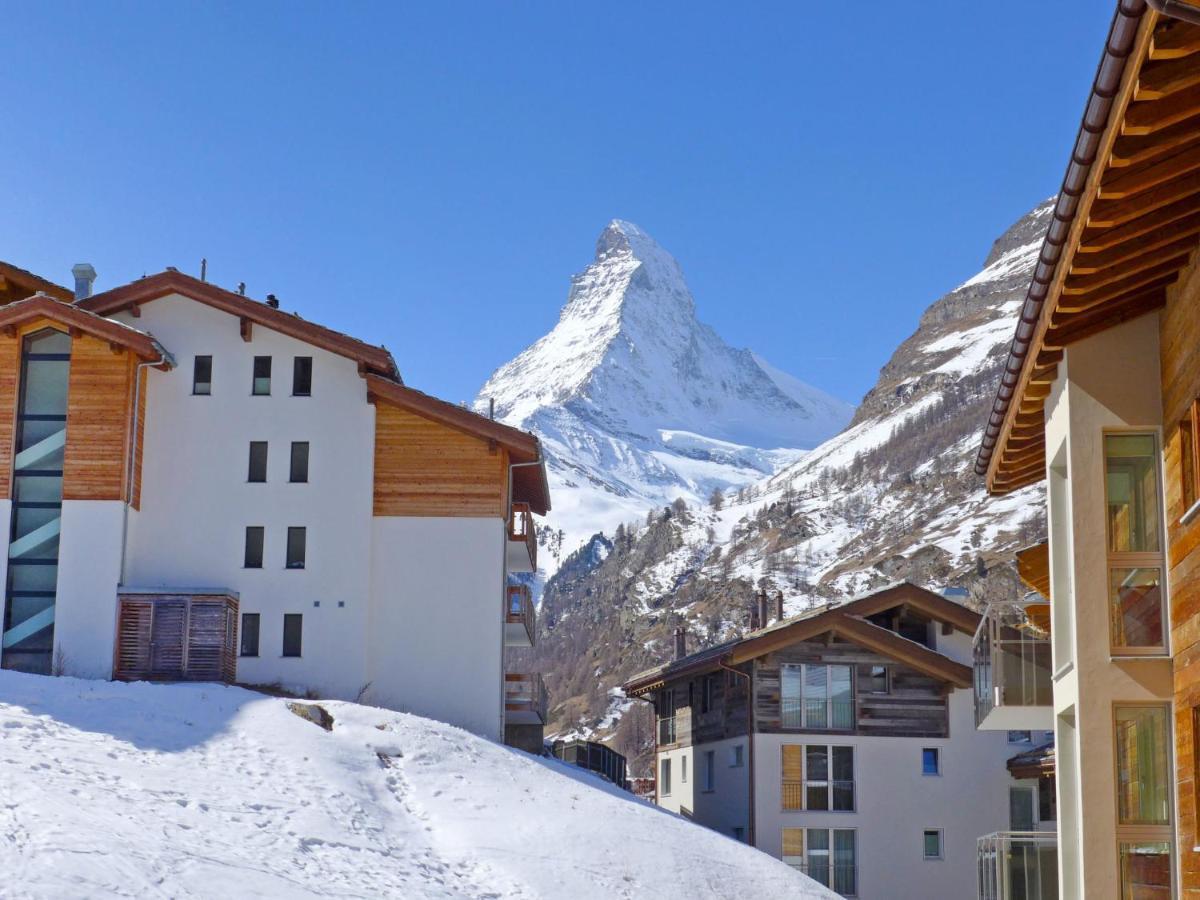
<point x="436" y="619"/>
<point x="89" y="569"/>
<point x="196" y="502"/>
<point x="1109" y="381"/>
<point x="895" y="803"/>
<point x="726" y="806"/>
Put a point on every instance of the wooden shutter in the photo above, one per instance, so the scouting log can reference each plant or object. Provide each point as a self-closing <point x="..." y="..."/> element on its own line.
<point x="793" y="842"/>
<point x="792" y="786"/>
<point x="205" y="639"/>
<point x="133" y="640"/>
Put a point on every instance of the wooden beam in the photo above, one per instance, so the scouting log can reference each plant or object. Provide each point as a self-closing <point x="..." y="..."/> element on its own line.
<point x="1078" y="285"/>
<point x="116" y="348"/>
<point x="1174" y="40"/>
<point x="247" y="329"/>
<point x="1086" y="263"/>
<point x="1151" y="116"/>
<point x="1165" y="77"/>
<point x="1134" y="149"/>
<point x="136" y="311"/>
<point x="912" y="654"/>
<point x="10" y="331"/>
<point x="1111" y="213"/>
<point x="1076" y="328"/>
<point x="1133" y="180"/>
<point x="1159" y="275"/>
<point x="1100" y="239"/>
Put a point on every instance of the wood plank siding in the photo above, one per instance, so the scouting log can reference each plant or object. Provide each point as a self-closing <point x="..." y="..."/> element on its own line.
<point x="99" y="408"/>
<point x="1179" y="348"/>
<point x="10" y="370"/>
<point x="426" y="468"/>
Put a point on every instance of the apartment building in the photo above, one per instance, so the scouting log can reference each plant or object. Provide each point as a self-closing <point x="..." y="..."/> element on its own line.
<point x="1098" y="400"/>
<point x="841" y="741"/>
<point x="203" y="486"/>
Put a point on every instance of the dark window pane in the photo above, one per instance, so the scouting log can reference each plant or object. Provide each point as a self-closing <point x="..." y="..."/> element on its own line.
<point x="299" y="461"/>
<point x="262" y="376"/>
<point x="258" y="461"/>
<point x="254" y="546"/>
<point x="37" y="488"/>
<point x="202" y="375"/>
<point x="32" y="577"/>
<point x="292" y="630"/>
<point x="249" y="634"/>
<point x="45" y="387"/>
<point x="873" y="679"/>
<point x="295" y="547"/>
<point x="302" y="376"/>
<point x="933" y="845"/>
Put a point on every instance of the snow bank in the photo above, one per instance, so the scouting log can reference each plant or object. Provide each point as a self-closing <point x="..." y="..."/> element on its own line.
<point x="138" y="790"/>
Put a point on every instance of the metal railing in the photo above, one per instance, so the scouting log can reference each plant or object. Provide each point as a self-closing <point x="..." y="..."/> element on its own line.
<point x="839" y="877"/>
<point x="525" y="692"/>
<point x="520" y="608"/>
<point x="666" y="730"/>
<point x="1012" y="667"/>
<point x="521" y="528"/>
<point x="1018" y="865"/>
<point x="838" y="795"/>
<point x="821" y="715"/>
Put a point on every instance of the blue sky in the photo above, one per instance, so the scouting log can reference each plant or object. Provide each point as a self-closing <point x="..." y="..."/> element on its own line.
<point x="428" y="176"/>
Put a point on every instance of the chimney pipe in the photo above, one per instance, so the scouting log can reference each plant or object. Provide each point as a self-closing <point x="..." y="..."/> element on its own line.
<point x="779" y="606"/>
<point x="762" y="609"/>
<point x="85" y="276"/>
<point x="204" y="269"/>
<point x="680" y="642"/>
<point x="272" y="301"/>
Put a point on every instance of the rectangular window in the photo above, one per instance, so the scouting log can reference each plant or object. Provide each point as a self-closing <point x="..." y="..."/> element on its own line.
<point x="818" y="697"/>
<point x="710" y="770"/>
<point x="258" y="461"/>
<point x="933" y="843"/>
<point x="1136" y="602"/>
<point x="293" y="629"/>
<point x="817" y="777"/>
<point x="683" y="770"/>
<point x="1145" y="869"/>
<point x="202" y="376"/>
<point x="873" y="679"/>
<point x="1189" y="456"/>
<point x="299" y="473"/>
<point x="735" y="756"/>
<point x="1020" y="809"/>
<point x="664" y="778"/>
<point x="931" y="763"/>
<point x="1047" y="800"/>
<point x="296" y="539"/>
<point x="254" y="547"/>
<point x="826" y="855"/>
<point x="1020" y="737"/>
<point x="707" y="690"/>
<point x="262" y="376"/>
<point x="302" y="376"/>
<point x="1143" y="766"/>
<point x="249" y="634"/>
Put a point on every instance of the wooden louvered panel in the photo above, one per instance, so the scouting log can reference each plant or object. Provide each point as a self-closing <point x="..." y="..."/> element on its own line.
<point x="177" y="637"/>
<point x="133" y="640"/>
<point x="793" y="842"/>
<point x="793" y="762"/>
<point x="205" y="640"/>
<point x="167" y="638"/>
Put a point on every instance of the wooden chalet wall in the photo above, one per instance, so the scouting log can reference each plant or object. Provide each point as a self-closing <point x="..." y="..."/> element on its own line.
<point x="425" y="468"/>
<point x="729" y="715"/>
<point x="10" y="371"/>
<point x="915" y="705"/>
<point x="1179" y="346"/>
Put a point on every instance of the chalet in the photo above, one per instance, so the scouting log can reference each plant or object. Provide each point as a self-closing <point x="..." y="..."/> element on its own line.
<point x="202" y="486"/>
<point x="1099" y="401"/>
<point x="841" y="741"/>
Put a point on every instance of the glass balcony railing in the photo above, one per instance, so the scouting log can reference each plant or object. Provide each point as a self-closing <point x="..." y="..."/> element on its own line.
<point x="1013" y="687"/>
<point x="819" y="715"/>
<point x="1018" y="865"/>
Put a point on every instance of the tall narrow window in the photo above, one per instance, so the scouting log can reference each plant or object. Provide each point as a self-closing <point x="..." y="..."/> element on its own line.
<point x="293" y="629"/>
<point x="41" y="433"/>
<point x="296" y="538"/>
<point x="258" y="461"/>
<point x="302" y="376"/>
<point x="931" y="763"/>
<point x="262" y="376"/>
<point x="664" y="778"/>
<point x="1136" y="616"/>
<point x="1021" y="809"/>
<point x="1144" y="785"/>
<point x="202" y="376"/>
<point x="299" y="473"/>
<point x="683" y="769"/>
<point x="826" y="855"/>
<point x="710" y="770"/>
<point x="254" y="547"/>
<point x="249" y="634"/>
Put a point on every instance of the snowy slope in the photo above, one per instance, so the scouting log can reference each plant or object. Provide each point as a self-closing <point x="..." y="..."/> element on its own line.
<point x="637" y="402"/>
<point x="139" y="790"/>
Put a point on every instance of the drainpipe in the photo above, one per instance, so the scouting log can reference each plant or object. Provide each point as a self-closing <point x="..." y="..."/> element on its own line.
<point x="1176" y="9"/>
<point x="750" y="749"/>
<point x="137" y="396"/>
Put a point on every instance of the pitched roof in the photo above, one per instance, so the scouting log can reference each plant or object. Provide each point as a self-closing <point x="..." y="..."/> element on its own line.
<point x="39" y="306"/>
<point x="27" y="284"/>
<point x="529" y="482"/>
<point x="846" y="618"/>
<point x="1033" y="763"/>
<point x="153" y="287"/>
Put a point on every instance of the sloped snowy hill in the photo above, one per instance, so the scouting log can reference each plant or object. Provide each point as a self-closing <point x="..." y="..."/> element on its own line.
<point x="139" y="790"/>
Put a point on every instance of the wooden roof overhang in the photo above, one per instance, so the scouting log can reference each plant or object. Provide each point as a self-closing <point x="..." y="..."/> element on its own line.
<point x="17" y="284"/>
<point x="847" y="620"/>
<point x="74" y="319"/>
<point x="1125" y="226"/>
<point x="1033" y="567"/>
<point x="1036" y="763"/>
<point x="371" y="359"/>
<point x="529" y="481"/>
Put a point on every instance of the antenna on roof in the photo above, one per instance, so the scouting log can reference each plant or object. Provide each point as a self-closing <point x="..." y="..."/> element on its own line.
<point x="204" y="269"/>
<point x="242" y="288"/>
<point x="492" y="408"/>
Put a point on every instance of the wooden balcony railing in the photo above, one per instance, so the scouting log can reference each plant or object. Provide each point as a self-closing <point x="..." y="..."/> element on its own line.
<point x="521" y="528"/>
<point x="525" y="692"/>
<point x="520" y="609"/>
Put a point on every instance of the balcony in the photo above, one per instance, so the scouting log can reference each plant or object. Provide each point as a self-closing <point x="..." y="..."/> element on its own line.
<point x="1013" y="688"/>
<point x="1018" y="865"/>
<point x="842" y="878"/>
<point x="525" y="699"/>
<point x="818" y="715"/>
<point x="520" y="617"/>
<point x="522" y="540"/>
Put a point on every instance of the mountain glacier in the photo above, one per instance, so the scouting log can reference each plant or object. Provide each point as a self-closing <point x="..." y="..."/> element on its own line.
<point x="638" y="403"/>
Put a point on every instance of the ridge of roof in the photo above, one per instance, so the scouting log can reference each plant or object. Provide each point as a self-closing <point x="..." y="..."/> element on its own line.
<point x="161" y="284"/>
<point x="8" y="270"/>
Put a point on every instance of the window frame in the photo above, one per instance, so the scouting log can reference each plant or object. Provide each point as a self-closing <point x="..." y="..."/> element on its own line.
<point x="829" y="699"/>
<point x="887" y="680"/>
<point x="296" y="361"/>
<point x="1141" y="559"/>
<point x="254" y="377"/>
<point x="828" y="854"/>
<point x="1141" y="832"/>
<point x="709" y="776"/>
<point x="257" y="619"/>
<point x="737" y="756"/>
<point x="195" y="372"/>
<point x="287" y="618"/>
<point x="937" y="760"/>
<point x="941" y="845"/>
<point x="288" y="562"/>
<point x="1189" y="463"/>
<point x="262" y="543"/>
<point x="664" y="777"/>
<point x="828" y="783"/>
<point x="250" y="479"/>
<point x="292" y="479"/>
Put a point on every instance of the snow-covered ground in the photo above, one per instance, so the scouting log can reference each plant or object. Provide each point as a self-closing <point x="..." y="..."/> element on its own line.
<point x="201" y="790"/>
